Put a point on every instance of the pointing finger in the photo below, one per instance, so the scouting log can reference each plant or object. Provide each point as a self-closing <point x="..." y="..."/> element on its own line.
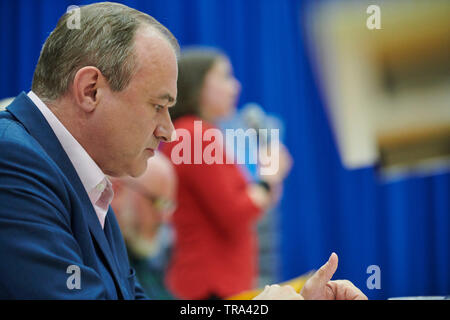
<point x="326" y="272"/>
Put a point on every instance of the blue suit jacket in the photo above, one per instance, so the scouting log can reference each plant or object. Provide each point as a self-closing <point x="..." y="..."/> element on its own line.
<point x="50" y="236"/>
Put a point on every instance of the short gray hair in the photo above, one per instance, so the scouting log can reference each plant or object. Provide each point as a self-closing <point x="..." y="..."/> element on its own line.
<point x="105" y="40"/>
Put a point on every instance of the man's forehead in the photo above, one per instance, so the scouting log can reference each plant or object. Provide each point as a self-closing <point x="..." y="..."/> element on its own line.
<point x="158" y="181"/>
<point x="148" y="37"/>
<point x="157" y="68"/>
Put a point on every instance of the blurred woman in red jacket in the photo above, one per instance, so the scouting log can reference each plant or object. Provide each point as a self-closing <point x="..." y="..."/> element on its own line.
<point x="215" y="249"/>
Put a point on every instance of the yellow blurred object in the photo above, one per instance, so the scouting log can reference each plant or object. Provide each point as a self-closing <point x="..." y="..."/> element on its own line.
<point x="296" y="283"/>
<point x="386" y="90"/>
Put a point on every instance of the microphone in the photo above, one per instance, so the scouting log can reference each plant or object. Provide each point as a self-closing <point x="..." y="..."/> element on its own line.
<point x="254" y="116"/>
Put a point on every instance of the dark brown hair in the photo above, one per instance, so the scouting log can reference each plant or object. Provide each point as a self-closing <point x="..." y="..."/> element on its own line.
<point x="193" y="66"/>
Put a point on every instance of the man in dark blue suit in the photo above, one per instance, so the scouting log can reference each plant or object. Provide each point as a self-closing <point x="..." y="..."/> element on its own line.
<point x="98" y="107"/>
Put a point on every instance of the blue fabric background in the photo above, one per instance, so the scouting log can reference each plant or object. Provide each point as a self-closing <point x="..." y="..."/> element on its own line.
<point x="401" y="226"/>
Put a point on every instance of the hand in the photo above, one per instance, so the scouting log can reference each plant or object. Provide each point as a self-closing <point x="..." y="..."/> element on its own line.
<point x="319" y="286"/>
<point x="259" y="196"/>
<point x="276" y="292"/>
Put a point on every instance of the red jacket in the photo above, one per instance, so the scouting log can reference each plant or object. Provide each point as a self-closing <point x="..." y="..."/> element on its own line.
<point x="215" y="250"/>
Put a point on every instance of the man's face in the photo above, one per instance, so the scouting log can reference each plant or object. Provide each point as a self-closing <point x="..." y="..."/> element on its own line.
<point x="146" y="196"/>
<point x="132" y="122"/>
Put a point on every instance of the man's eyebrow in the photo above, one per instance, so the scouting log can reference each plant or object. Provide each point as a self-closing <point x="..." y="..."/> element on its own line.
<point x="167" y="97"/>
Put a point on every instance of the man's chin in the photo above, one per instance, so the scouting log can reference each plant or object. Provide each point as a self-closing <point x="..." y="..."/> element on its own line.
<point x="134" y="169"/>
<point x="137" y="172"/>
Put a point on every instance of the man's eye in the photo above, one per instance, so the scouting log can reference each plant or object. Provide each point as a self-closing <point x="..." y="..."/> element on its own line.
<point x="159" y="108"/>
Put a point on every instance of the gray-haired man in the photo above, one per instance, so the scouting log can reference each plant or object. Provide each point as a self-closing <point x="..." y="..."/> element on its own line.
<point x="98" y="106"/>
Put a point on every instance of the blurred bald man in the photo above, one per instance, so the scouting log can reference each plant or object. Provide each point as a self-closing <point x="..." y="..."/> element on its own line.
<point x="143" y="207"/>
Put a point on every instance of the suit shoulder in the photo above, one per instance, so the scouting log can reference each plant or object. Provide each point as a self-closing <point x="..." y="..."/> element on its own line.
<point x="26" y="167"/>
<point x="21" y="152"/>
<point x="6" y="120"/>
<point x="11" y="129"/>
<point x="13" y="133"/>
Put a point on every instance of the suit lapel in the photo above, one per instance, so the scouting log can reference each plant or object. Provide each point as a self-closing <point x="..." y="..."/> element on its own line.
<point x="29" y="115"/>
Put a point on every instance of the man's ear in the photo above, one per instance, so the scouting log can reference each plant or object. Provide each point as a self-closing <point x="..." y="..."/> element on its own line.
<point x="85" y="85"/>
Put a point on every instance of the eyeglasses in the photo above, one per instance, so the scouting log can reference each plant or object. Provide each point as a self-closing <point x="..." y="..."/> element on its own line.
<point x="161" y="204"/>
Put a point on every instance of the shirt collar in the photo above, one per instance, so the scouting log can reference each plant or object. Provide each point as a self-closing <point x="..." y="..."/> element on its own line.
<point x="89" y="172"/>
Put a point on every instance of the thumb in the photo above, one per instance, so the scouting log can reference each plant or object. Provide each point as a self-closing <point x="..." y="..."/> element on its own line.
<point x="326" y="272"/>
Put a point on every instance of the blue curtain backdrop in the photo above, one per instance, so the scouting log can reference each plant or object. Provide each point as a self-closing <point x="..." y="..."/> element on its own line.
<point x="402" y="226"/>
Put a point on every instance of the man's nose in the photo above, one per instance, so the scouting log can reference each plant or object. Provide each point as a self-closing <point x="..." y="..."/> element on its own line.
<point x="165" y="130"/>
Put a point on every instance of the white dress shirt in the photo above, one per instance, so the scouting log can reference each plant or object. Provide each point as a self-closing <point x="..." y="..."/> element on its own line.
<point x="95" y="182"/>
